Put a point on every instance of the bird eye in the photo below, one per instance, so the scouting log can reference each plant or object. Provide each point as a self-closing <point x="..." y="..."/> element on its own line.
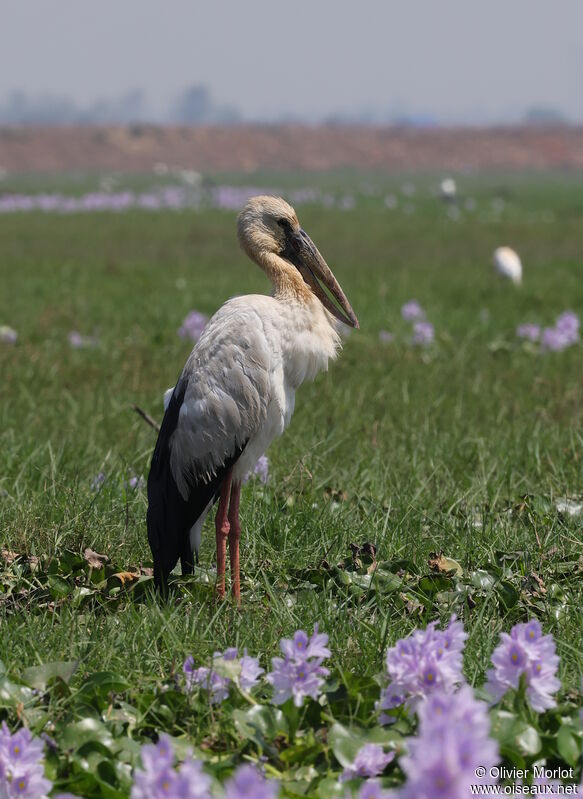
<point x="284" y="223"/>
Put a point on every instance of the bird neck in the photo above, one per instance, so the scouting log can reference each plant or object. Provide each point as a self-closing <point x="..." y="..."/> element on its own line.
<point x="286" y="280"/>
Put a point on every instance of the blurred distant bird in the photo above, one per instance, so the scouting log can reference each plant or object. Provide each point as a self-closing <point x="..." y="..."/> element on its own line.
<point x="507" y="263"/>
<point x="237" y="390"/>
<point x="448" y="189"/>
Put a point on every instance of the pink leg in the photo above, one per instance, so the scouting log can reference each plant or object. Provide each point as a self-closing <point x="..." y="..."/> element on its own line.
<point x="222" y="531"/>
<point x="234" y="535"/>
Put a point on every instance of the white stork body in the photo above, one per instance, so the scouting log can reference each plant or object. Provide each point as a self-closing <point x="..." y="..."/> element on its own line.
<point x="258" y="347"/>
<point x="507" y="263"/>
<point x="237" y="390"/>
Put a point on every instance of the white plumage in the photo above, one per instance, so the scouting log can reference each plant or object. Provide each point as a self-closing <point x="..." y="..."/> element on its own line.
<point x="448" y="189"/>
<point x="241" y="379"/>
<point x="507" y="263"/>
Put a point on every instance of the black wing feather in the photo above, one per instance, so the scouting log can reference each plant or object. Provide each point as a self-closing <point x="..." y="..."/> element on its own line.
<point x="170" y="516"/>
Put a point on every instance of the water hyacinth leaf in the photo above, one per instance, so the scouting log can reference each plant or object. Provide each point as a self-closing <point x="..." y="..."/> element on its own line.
<point x="387" y="581"/>
<point x="59" y="586"/>
<point x="507" y="593"/>
<point x="330" y="788"/>
<point x="342" y="577"/>
<point x="260" y="724"/>
<point x="362" y="581"/>
<point x="41" y="676"/>
<point x="403" y="566"/>
<point x="483" y="579"/>
<point x="12" y="694"/>
<point x="346" y="743"/>
<point x="89" y="729"/>
<point x="303" y="751"/>
<point x="568" y="745"/>
<point x="432" y="584"/>
<point x="516" y="737"/>
<point x="101" y="684"/>
<point x="70" y="562"/>
<point x="527" y="739"/>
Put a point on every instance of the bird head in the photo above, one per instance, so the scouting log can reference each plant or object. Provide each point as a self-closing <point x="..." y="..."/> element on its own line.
<point x="271" y="235"/>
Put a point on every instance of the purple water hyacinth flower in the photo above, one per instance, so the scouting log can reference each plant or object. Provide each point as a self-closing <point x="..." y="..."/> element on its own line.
<point x="158" y="779"/>
<point x="425" y="661"/>
<point x="300" y="673"/>
<point x="412" y="311"/>
<point x="386" y="337"/>
<point x="525" y="653"/>
<point x="8" y="335"/>
<point x="75" y="338"/>
<point x="78" y="341"/>
<point x="529" y="331"/>
<point x="297" y="680"/>
<point x="217" y="684"/>
<point x="300" y="647"/>
<point x="553" y="340"/>
<point x="423" y="333"/>
<point x="251" y="672"/>
<point x="21" y="768"/>
<point x="98" y="481"/>
<point x="260" y="470"/>
<point x="249" y="783"/>
<point x="193" y="325"/>
<point x="453" y="741"/>
<point x="372" y="789"/>
<point x="204" y="677"/>
<point x="370" y="761"/>
<point x="564" y="334"/>
<point x="568" y="322"/>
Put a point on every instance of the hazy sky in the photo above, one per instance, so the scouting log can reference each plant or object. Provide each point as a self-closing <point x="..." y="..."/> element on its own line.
<point x="482" y="59"/>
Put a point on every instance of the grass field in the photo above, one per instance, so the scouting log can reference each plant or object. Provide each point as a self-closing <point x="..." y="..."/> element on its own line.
<point x="463" y="447"/>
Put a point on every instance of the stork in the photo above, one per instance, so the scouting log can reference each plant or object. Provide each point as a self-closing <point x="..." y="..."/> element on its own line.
<point x="507" y="263"/>
<point x="237" y="390"/>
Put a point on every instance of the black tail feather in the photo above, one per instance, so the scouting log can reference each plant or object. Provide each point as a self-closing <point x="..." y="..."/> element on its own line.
<point x="170" y="516"/>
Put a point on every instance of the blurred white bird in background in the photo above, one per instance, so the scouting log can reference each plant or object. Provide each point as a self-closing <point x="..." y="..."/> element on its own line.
<point x="448" y="189"/>
<point x="507" y="263"/>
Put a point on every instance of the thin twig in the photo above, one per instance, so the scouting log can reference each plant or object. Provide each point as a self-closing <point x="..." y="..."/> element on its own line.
<point x="147" y="418"/>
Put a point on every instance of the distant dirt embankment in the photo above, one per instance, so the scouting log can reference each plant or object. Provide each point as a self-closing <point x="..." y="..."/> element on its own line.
<point x="139" y="148"/>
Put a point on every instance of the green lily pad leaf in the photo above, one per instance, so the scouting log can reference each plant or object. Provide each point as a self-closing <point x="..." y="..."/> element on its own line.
<point x="568" y="746"/>
<point x="40" y="676"/>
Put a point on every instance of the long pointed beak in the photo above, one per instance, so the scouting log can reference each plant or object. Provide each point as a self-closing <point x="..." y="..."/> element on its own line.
<point x="304" y="255"/>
